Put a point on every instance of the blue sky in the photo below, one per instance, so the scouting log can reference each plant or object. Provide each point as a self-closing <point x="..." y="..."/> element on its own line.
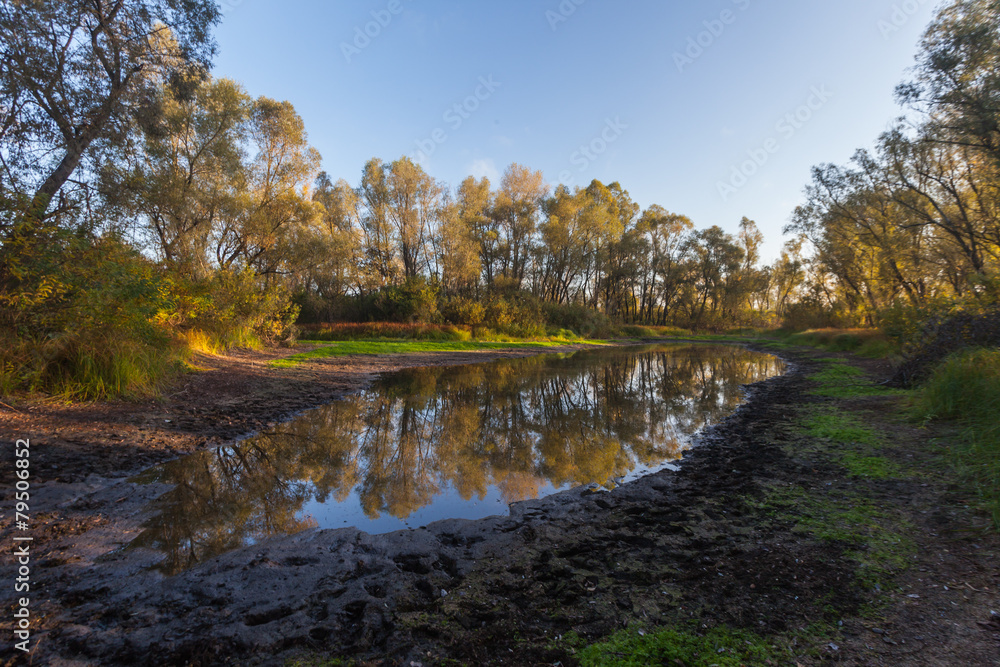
<point x="666" y="97"/>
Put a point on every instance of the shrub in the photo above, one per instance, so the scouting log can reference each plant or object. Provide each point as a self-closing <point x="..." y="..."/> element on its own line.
<point x="635" y="331"/>
<point x="865" y="342"/>
<point x="966" y="387"/>
<point x="943" y="335"/>
<point x="811" y="313"/>
<point x="91" y="317"/>
<point x="314" y="309"/>
<point x="508" y="312"/>
<point x="414" y="301"/>
<point x="463" y="311"/>
<point x="517" y="314"/>
<point x="585" y="322"/>
<point x="87" y="320"/>
<point x="239" y="309"/>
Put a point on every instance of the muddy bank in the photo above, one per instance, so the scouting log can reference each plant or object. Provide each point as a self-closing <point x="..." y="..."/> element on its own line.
<point x="702" y="544"/>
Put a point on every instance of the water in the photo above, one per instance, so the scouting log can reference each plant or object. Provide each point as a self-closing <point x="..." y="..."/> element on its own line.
<point x="456" y="442"/>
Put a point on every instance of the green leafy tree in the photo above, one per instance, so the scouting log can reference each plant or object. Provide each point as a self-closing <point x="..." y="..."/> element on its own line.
<point x="74" y="72"/>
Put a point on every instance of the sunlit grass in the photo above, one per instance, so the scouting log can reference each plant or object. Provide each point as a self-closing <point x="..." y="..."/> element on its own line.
<point x="198" y="341"/>
<point x="86" y="368"/>
<point x="863" y="342"/>
<point x="374" y="347"/>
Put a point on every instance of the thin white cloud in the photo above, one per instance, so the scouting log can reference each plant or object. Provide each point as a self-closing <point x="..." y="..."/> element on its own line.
<point x="484" y="167"/>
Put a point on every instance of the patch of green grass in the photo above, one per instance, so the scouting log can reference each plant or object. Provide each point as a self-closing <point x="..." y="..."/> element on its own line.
<point x="408" y="346"/>
<point x="878" y="349"/>
<point x="874" y="538"/>
<point x="320" y="662"/>
<point x="869" y="467"/>
<point x="839" y="426"/>
<point x="719" y="646"/>
<point x="638" y="331"/>
<point x="570" y="640"/>
<point x="966" y="388"/>
<point x="856" y="444"/>
<point x="841" y="380"/>
<point x="712" y="337"/>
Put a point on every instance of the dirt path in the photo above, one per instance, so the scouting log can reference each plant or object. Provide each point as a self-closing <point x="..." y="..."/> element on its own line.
<point x="816" y="520"/>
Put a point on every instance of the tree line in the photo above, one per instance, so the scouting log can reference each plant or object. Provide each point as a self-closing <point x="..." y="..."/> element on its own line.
<point x="142" y="199"/>
<point x="219" y="181"/>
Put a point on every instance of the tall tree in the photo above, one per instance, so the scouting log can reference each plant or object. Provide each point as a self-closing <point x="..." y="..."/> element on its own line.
<point x="221" y="181"/>
<point x="414" y="203"/>
<point x="665" y="272"/>
<point x="273" y="191"/>
<point x="74" y="71"/>
<point x="332" y="256"/>
<point x="379" y="249"/>
<point x="956" y="82"/>
<point x="716" y="261"/>
<point x="459" y="249"/>
<point x="515" y="208"/>
<point x="180" y="179"/>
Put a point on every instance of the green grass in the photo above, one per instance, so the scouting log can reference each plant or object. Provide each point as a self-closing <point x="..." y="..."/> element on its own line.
<point x="319" y="662"/>
<point x="640" y="331"/>
<point x="385" y="330"/>
<point x="965" y="388"/>
<point x="863" y="342"/>
<point x="839" y="426"/>
<point x="82" y="368"/>
<point x="869" y="467"/>
<point x="874" y="538"/>
<point x="409" y="346"/>
<point x="857" y="444"/>
<point x="841" y="380"/>
<point x="719" y="646"/>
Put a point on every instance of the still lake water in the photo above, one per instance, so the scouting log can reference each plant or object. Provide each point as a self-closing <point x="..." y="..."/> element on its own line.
<point x="453" y="442"/>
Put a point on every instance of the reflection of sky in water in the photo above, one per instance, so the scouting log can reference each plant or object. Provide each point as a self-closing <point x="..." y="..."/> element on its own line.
<point x="447" y="504"/>
<point x="461" y="442"/>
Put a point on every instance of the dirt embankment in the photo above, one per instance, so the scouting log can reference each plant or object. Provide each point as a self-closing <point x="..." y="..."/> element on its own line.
<point x="766" y="527"/>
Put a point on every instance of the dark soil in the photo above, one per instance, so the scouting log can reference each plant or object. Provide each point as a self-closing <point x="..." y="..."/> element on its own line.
<point x="706" y="546"/>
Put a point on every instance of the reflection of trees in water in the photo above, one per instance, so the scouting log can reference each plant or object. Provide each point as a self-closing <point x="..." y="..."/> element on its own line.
<point x="515" y="425"/>
<point x="222" y="501"/>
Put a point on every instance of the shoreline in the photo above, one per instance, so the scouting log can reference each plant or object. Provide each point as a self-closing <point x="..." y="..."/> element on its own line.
<point x="345" y="593"/>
